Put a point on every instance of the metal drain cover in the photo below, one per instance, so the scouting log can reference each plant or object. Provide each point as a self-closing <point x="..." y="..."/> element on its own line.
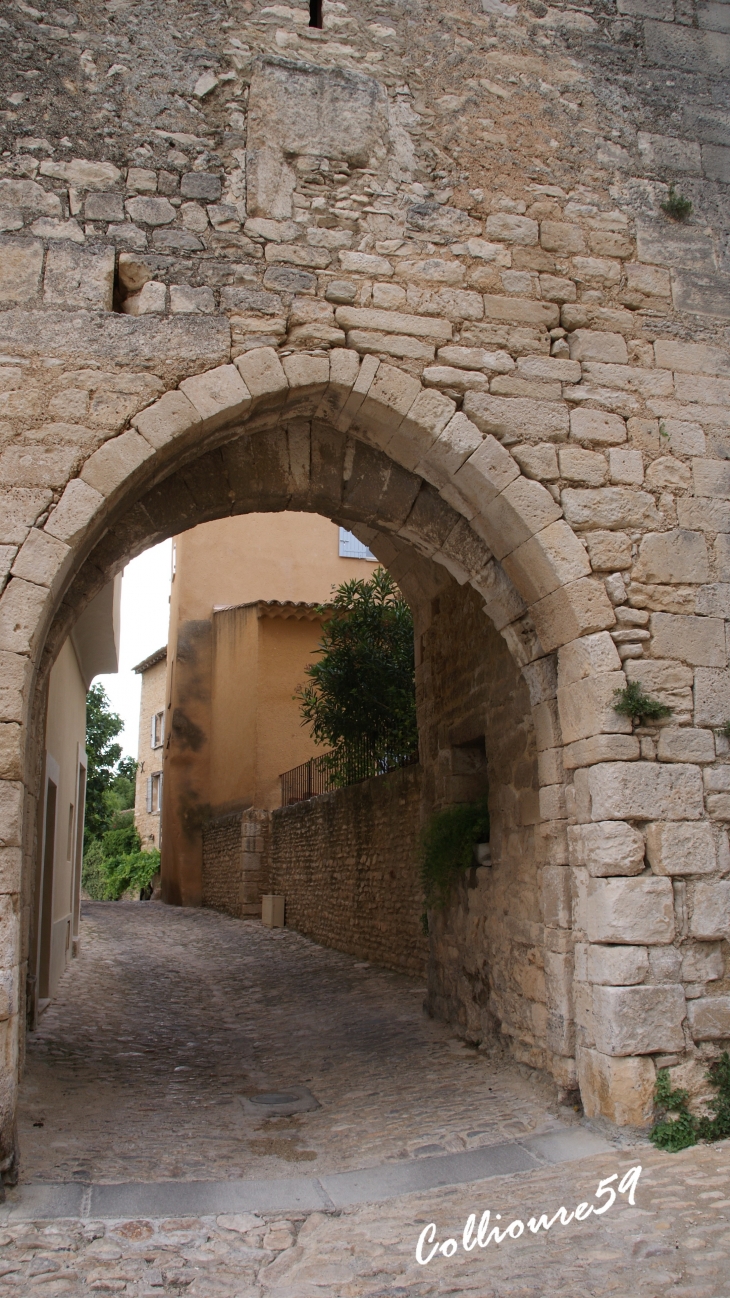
<point x="280" y="1104"/>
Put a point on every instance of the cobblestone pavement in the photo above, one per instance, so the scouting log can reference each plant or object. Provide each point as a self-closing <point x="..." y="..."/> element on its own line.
<point x="245" y="1009"/>
<point x="170" y="1016"/>
<point x="675" y="1241"/>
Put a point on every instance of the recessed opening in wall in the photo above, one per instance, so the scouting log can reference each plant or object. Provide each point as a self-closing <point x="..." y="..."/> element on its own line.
<point x="315" y="13"/>
<point x="469" y="780"/>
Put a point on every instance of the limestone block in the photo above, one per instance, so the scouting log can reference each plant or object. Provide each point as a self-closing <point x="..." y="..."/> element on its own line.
<point x="607" y="848"/>
<point x="450" y="449"/>
<point x="609" y="507"/>
<point x="21" y="263"/>
<point x="680" y="848"/>
<point x="476" y="358"/>
<point x="487" y="470"/>
<point x="364" y="263"/>
<point x="192" y="301"/>
<point x="263" y="375"/>
<point x="712" y="696"/>
<point x="630" y="911"/>
<point x="11" y="812"/>
<point x="552" y="558"/>
<point x="714" y="599"/>
<point x="424" y="422"/>
<point x="621" y="1090"/>
<point x="74" y="512"/>
<point x="711" y="477"/>
<point x="702" y="962"/>
<point x="456" y="380"/>
<point x="601" y="748"/>
<point x="519" y="417"/>
<point x="394" y="322"/>
<point x="672" y="557"/>
<point x="512" y="229"/>
<point x="648" y="280"/>
<point x="556" y="896"/>
<point x="685" y="744"/>
<point x="710" y="909"/>
<point x="42" y="559"/>
<point x="703" y="514"/>
<point x="699" y="641"/>
<point x="626" y="466"/>
<point x="367" y="342"/>
<point x="83" y="174"/>
<point x="293" y="254"/>
<point x="645" y="791"/>
<point x="709" y="1018"/>
<point x="11" y="869"/>
<point x="308" y="377"/>
<point x="611" y="966"/>
<point x="521" y="311"/>
<point x="115" y="462"/>
<point x="22" y="608"/>
<point x="547" y="725"/>
<point x="388" y="400"/>
<point x="591" y="655"/>
<point x="12" y="747"/>
<point x="150" y="211"/>
<point x="167" y="419"/>
<point x="587" y="707"/>
<point x="538" y="461"/>
<point x="592" y="345"/>
<point x="151" y="300"/>
<point x="358" y="392"/>
<point x="578" y="465"/>
<point x="218" y="396"/>
<point x="608" y="551"/>
<point x="344" y="369"/>
<point x="30" y="196"/>
<point x="560" y="237"/>
<point x="579" y="608"/>
<point x="597" y="427"/>
<point x="79" y="277"/>
<point x="691" y="358"/>
<point x="552" y="802"/>
<point x="503" y="604"/>
<point x="638" y="1020"/>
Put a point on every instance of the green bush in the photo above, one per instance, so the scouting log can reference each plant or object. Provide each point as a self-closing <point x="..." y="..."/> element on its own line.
<point x="633" y="702"/>
<point x="116" y="864"/>
<point x="448" y="848"/>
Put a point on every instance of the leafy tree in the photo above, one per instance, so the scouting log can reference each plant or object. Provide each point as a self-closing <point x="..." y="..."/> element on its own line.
<point x="362" y="690"/>
<point x="115" y="864"/>
<point x="110" y="777"/>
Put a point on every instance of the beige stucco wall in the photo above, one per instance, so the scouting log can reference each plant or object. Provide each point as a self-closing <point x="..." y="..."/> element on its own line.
<point x="65" y="744"/>
<point x="149" y="759"/>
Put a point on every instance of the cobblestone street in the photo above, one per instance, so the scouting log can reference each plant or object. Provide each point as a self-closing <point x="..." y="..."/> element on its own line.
<point x="170" y="1018"/>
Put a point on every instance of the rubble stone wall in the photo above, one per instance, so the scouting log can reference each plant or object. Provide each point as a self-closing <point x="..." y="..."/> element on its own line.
<point x="348" y="864"/>
<point x="416" y="272"/>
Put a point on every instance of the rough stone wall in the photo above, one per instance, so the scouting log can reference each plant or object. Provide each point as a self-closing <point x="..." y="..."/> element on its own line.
<point x="487" y="970"/>
<point x="347" y="863"/>
<point x="235" y="862"/>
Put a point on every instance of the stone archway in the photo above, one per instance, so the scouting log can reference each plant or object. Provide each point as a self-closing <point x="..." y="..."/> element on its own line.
<point x="366" y="443"/>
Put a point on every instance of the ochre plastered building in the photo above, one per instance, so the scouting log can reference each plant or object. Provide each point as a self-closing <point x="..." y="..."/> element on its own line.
<point x="417" y="275"/>
<point x="150" y="748"/>
<point x="243" y="626"/>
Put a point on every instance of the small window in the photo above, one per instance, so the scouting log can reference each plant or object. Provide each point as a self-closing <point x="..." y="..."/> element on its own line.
<point x="351" y="548"/>
<point x="157" y="730"/>
<point x="154" y="793"/>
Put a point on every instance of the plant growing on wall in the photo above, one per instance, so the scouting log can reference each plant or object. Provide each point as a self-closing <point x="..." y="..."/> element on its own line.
<point x="448" y="848"/>
<point x="633" y="702"/>
<point x="676" y="205"/>
<point x="361" y="693"/>
<point x="684" y="1129"/>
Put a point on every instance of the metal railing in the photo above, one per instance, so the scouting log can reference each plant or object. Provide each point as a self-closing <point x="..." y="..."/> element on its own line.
<point x="337" y="769"/>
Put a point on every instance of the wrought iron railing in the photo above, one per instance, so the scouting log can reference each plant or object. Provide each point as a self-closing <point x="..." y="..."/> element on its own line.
<point x="337" y="769"/>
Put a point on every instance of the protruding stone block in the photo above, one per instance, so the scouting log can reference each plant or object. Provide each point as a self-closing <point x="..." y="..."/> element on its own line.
<point x="630" y="911"/>
<point x="645" y="791"/>
<point x="709" y="1018"/>
<point x="638" y="1020"/>
<point x="608" y="848"/>
<point x="613" y="966"/>
<point x="680" y="847"/>
<point x="621" y="1090"/>
<point x="710" y="909"/>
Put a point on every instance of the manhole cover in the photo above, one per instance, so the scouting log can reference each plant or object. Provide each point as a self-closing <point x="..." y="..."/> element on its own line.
<point x="280" y="1104"/>
<point x="275" y="1097"/>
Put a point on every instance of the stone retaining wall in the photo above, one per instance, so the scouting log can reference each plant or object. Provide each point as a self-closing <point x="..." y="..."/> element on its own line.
<point x="347" y="863"/>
